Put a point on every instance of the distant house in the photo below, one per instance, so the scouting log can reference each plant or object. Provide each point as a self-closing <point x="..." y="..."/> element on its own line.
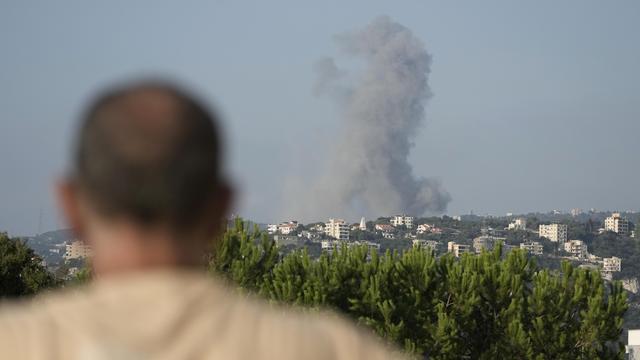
<point x="576" y="248"/>
<point x="457" y="249"/>
<point x="330" y="245"/>
<point x="402" y="220"/>
<point x="554" y="232"/>
<point x="617" y="224"/>
<point x="426" y="229"/>
<point x="337" y="229"/>
<point x="533" y="247"/>
<point x="77" y="250"/>
<point x="612" y="264"/>
<point x="284" y="228"/>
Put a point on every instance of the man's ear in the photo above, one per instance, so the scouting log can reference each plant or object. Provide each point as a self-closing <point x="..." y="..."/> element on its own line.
<point x="69" y="204"/>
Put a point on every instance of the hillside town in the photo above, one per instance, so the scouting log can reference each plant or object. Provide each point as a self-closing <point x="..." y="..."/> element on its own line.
<point x="565" y="236"/>
<point x="552" y="241"/>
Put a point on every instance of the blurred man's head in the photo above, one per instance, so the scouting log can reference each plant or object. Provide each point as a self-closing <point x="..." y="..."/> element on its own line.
<point x="147" y="168"/>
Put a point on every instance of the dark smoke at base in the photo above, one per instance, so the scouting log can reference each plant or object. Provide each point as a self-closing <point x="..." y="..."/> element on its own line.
<point x="368" y="174"/>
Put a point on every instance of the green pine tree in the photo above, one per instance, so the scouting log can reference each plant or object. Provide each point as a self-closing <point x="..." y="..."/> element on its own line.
<point x="486" y="306"/>
<point x="21" y="271"/>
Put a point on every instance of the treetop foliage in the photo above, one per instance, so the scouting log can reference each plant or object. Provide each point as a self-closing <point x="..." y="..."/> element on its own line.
<point x="21" y="271"/>
<point x="487" y="306"/>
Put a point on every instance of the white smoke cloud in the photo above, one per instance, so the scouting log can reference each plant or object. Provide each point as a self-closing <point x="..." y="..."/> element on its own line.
<point x="368" y="173"/>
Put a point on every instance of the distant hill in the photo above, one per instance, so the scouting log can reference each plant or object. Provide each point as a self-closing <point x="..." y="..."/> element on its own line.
<point x="50" y="245"/>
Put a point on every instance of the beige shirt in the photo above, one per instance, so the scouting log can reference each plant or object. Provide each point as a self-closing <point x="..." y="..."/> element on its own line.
<point x="172" y="315"/>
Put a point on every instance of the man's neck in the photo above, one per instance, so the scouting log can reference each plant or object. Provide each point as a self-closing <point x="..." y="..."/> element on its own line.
<point x="125" y="248"/>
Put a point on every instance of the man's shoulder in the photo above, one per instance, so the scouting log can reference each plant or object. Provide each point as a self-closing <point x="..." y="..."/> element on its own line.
<point x="312" y="334"/>
<point x="197" y="310"/>
<point x="28" y="311"/>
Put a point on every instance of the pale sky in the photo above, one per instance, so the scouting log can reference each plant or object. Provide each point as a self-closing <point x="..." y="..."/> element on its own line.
<point x="536" y="106"/>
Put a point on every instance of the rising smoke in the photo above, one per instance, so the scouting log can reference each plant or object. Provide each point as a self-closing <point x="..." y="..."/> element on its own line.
<point x="382" y="109"/>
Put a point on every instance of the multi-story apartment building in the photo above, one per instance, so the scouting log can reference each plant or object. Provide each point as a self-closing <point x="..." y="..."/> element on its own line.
<point x="612" y="264"/>
<point x="617" y="224"/>
<point x="457" y="249"/>
<point x="330" y="245"/>
<point x="554" y="232"/>
<point x="77" y="250"/>
<point x="399" y="220"/>
<point x="337" y="229"/>
<point x="532" y="247"/>
<point x="576" y="248"/>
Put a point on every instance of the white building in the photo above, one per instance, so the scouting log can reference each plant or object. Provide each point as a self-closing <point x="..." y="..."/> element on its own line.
<point x="286" y="229"/>
<point x="272" y="228"/>
<point x="533" y="247"/>
<point x="329" y="245"/>
<point x="554" y="232"/>
<point x="576" y="248"/>
<point x="518" y="224"/>
<point x="617" y="224"/>
<point x="423" y="228"/>
<point x="457" y="249"/>
<point x="77" y="250"/>
<point x="612" y="264"/>
<point x="337" y="229"/>
<point x="426" y="244"/>
<point x="363" y="224"/>
<point x="633" y="344"/>
<point x="399" y="220"/>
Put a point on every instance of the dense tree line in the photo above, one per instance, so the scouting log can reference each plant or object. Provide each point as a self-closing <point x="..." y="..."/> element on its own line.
<point x="478" y="307"/>
<point x="21" y="270"/>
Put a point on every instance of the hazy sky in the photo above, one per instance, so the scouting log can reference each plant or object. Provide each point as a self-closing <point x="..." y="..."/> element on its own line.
<point x="535" y="107"/>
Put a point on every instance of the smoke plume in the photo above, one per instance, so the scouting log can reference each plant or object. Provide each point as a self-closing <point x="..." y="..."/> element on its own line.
<point x="382" y="108"/>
